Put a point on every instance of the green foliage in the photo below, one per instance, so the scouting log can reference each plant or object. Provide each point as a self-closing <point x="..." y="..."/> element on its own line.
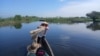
<point x="17" y="20"/>
<point x="94" y="15"/>
<point x="1" y="20"/>
<point x="65" y="20"/>
<point x="27" y="19"/>
<point x="17" y="17"/>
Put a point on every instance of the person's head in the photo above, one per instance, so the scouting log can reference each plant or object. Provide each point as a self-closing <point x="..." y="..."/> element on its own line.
<point x="44" y="24"/>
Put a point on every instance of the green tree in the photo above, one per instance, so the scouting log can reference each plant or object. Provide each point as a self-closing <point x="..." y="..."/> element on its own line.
<point x="17" y="17"/>
<point x="93" y="15"/>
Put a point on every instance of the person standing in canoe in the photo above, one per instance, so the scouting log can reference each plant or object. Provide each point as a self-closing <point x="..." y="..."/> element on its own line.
<point x="42" y="34"/>
<point x="38" y="48"/>
<point x="37" y="35"/>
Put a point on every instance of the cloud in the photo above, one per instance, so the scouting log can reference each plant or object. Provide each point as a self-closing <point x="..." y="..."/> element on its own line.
<point x="76" y="8"/>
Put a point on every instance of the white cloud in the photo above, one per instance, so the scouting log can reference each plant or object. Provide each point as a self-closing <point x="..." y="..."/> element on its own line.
<point x="76" y="8"/>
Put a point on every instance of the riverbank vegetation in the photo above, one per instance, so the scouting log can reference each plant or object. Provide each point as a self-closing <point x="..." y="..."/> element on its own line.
<point x="17" y="19"/>
<point x="93" y="16"/>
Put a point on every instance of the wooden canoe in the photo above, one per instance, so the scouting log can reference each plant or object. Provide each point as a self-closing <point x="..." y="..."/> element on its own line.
<point x="46" y="47"/>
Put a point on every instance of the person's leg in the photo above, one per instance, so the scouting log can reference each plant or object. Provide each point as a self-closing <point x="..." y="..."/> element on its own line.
<point x="43" y="37"/>
<point x="42" y="40"/>
<point x="38" y="41"/>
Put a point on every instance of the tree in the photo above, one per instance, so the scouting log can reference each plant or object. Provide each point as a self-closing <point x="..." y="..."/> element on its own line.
<point x="93" y="15"/>
<point x="17" y="17"/>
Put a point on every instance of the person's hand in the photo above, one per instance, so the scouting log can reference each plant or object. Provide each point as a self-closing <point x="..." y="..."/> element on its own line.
<point x="47" y="28"/>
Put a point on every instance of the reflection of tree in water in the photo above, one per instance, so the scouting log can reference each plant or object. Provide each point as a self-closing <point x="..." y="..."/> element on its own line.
<point x="17" y="25"/>
<point x="94" y="26"/>
<point x="66" y="22"/>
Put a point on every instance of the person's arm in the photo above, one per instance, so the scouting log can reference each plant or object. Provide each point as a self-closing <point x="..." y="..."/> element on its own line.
<point x="45" y="30"/>
<point x="36" y="31"/>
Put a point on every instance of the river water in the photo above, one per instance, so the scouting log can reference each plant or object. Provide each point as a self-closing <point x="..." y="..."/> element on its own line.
<point x="76" y="39"/>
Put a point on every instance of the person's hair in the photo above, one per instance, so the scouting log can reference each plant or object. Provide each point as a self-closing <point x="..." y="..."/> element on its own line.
<point x="44" y="24"/>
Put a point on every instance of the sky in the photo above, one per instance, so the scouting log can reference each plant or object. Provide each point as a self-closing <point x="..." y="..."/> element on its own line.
<point x="48" y="8"/>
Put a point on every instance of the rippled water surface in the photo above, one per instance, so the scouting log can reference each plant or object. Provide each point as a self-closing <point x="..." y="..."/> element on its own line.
<point x="77" y="39"/>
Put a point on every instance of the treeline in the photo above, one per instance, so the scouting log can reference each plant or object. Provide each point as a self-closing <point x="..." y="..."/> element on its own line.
<point x="17" y="20"/>
<point x="92" y="16"/>
<point x="65" y="20"/>
<point x="20" y="18"/>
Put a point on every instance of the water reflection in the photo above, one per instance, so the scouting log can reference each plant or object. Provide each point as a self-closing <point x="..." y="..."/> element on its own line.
<point x="94" y="26"/>
<point x="66" y="22"/>
<point x="17" y="25"/>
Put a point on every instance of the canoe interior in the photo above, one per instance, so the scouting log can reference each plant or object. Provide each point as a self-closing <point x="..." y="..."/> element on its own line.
<point x="47" y="47"/>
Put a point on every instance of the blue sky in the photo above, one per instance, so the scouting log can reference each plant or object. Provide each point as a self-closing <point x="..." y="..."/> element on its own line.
<point x="48" y="8"/>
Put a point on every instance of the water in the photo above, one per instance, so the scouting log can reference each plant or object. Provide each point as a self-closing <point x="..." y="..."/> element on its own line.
<point x="77" y="39"/>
